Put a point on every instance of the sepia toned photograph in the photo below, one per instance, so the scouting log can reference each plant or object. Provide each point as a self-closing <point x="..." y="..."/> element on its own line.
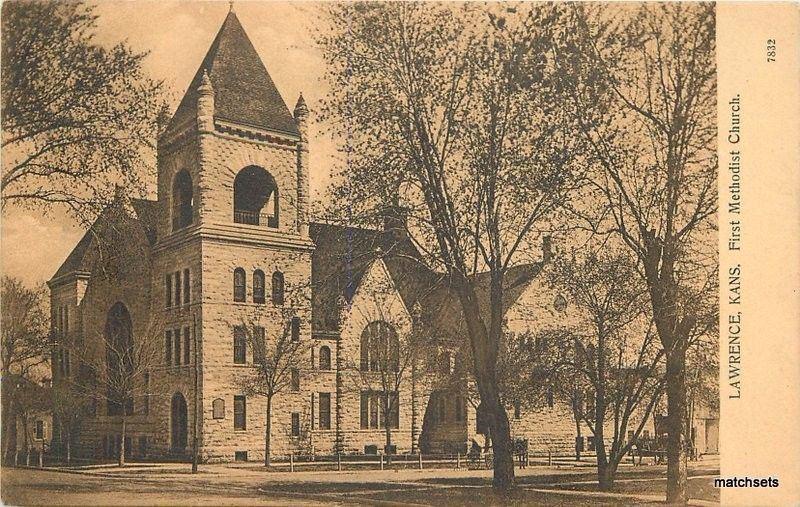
<point x="409" y="253"/>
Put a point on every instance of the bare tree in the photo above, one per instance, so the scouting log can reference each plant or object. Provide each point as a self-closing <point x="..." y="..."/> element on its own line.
<point x="611" y="352"/>
<point x="78" y="117"/>
<point x="646" y="102"/>
<point x="276" y="358"/>
<point x="455" y="111"/>
<point x="118" y="372"/>
<point x="393" y="353"/>
<point x="24" y="347"/>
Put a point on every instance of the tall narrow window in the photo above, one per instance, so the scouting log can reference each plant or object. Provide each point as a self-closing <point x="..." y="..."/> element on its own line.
<point x="295" y="329"/>
<point x="178" y="288"/>
<point x="239" y="413"/>
<point x="66" y="321"/>
<point x="440" y="408"/>
<point x="186" y="349"/>
<point x="258" y="286"/>
<point x="239" y="345"/>
<point x="168" y="347"/>
<point x="459" y="408"/>
<point x="182" y="200"/>
<point x="186" y="287"/>
<point x="374" y="413"/>
<point x="259" y="345"/>
<point x="66" y="363"/>
<point x="239" y="285"/>
<point x="177" y="338"/>
<point x="394" y="410"/>
<point x="168" y="290"/>
<point x="277" y="288"/>
<point x="39" y="430"/>
<point x="295" y="383"/>
<point x="324" y="411"/>
<point x="364" y="410"/>
<point x="324" y="358"/>
<point x="295" y="424"/>
<point x="517" y="410"/>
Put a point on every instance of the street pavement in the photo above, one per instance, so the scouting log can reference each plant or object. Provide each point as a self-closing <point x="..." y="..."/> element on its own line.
<point x="251" y="484"/>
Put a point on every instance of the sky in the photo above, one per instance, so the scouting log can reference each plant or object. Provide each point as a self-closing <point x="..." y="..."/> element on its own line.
<point x="177" y="36"/>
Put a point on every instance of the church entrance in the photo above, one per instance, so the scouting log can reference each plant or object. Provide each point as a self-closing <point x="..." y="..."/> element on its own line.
<point x="179" y="421"/>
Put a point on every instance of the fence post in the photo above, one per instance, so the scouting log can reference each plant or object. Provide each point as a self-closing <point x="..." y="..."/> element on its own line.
<point x="338" y="462"/>
<point x="27" y="457"/>
<point x="41" y="452"/>
<point x="16" y="457"/>
<point x="380" y="456"/>
<point x="420" y="460"/>
<point x="458" y="460"/>
<point x="291" y="461"/>
<point x="549" y="457"/>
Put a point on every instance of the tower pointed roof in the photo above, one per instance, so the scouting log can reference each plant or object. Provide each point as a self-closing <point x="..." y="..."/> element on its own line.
<point x="244" y="92"/>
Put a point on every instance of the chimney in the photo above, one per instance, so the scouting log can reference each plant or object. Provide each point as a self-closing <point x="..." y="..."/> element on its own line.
<point x="547" y="249"/>
<point x="303" y="188"/>
<point x="395" y="220"/>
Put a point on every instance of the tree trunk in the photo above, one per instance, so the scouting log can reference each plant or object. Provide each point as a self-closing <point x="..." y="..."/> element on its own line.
<point x="268" y="431"/>
<point x="500" y="431"/>
<point x="578" y="437"/>
<point x="121" y="460"/>
<point x="388" y="443"/>
<point x="676" y="417"/>
<point x="69" y="449"/>
<point x="606" y="474"/>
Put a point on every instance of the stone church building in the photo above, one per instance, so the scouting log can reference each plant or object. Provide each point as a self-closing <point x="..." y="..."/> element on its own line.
<point x="227" y="251"/>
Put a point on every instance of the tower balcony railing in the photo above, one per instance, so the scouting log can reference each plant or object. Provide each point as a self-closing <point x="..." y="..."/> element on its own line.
<point x="255" y="218"/>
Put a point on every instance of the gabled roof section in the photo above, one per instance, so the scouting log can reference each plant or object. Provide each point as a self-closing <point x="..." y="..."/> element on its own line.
<point x="114" y="224"/>
<point x="244" y="92"/>
<point x="342" y="257"/>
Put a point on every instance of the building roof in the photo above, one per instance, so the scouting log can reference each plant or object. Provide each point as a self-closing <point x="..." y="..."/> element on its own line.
<point x="113" y="224"/>
<point x="343" y="255"/>
<point x="244" y="92"/>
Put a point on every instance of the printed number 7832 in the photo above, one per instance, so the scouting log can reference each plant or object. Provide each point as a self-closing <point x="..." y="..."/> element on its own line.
<point x="771" y="48"/>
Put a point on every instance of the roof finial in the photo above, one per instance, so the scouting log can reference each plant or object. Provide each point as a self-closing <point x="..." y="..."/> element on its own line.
<point x="231" y="6"/>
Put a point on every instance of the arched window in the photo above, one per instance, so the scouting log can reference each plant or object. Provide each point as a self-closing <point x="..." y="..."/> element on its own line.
<point x="324" y="358"/>
<point x="380" y="347"/>
<point x="277" y="288"/>
<point x="255" y="198"/>
<point x="182" y="200"/>
<point x="239" y="285"/>
<point x="258" y="286"/>
<point x="119" y="360"/>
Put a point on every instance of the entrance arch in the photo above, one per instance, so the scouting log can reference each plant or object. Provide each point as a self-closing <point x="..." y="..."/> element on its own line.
<point x="179" y="423"/>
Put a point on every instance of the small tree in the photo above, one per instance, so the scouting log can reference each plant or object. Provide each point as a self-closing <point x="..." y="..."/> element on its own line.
<point x="118" y="373"/>
<point x="392" y="351"/>
<point x="611" y="353"/>
<point x="69" y="409"/>
<point x="24" y="348"/>
<point x="78" y="117"/>
<point x="274" y="360"/>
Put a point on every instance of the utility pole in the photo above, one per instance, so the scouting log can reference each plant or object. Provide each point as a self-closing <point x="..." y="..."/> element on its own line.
<point x="196" y="388"/>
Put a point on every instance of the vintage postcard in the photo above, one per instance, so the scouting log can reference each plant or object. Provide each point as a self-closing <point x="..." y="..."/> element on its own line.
<point x="407" y="253"/>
